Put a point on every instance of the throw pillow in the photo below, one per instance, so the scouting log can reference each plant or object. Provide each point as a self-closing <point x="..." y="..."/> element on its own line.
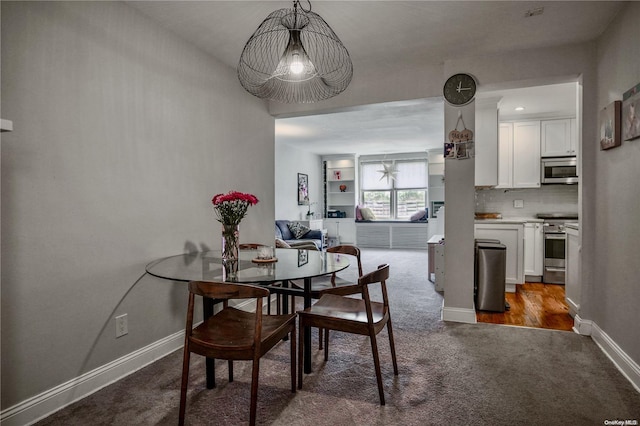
<point x="298" y="230"/>
<point x="281" y="243"/>
<point x="367" y="213"/>
<point x="419" y="215"/>
<point x="358" y="213"/>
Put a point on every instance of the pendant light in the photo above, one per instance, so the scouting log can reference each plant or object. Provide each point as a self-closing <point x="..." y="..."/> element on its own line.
<point x="294" y="57"/>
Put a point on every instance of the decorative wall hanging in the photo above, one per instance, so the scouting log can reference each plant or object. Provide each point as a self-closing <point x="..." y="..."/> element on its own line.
<point x="461" y="144"/>
<point x="609" y="123"/>
<point x="294" y="57"/>
<point x="388" y="172"/>
<point x="631" y="113"/>
<point x="303" y="189"/>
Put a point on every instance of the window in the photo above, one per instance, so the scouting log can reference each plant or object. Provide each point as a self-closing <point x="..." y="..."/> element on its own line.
<point x="396" y="196"/>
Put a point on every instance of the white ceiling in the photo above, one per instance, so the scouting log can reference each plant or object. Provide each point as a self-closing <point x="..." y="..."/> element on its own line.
<point x="379" y="32"/>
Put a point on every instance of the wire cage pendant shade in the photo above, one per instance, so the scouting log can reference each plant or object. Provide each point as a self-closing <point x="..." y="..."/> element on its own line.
<point x="294" y="57"/>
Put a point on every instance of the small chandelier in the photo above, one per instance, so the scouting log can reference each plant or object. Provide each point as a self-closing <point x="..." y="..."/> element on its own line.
<point x="294" y="57"/>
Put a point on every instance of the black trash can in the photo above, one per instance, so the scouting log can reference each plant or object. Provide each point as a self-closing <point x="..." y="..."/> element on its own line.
<point x="490" y="276"/>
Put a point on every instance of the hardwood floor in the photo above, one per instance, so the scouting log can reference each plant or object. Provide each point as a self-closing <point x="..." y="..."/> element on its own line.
<point x="533" y="305"/>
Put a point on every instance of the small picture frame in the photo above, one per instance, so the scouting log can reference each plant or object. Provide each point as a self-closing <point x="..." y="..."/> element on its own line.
<point x="631" y="113"/>
<point x="609" y="126"/>
<point x="303" y="257"/>
<point x="303" y="189"/>
<point x="337" y="175"/>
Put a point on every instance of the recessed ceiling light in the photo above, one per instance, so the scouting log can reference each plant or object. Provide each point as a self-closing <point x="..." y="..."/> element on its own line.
<point x="519" y="108"/>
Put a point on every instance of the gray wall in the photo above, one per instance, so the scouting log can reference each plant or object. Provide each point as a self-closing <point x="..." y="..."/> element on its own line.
<point x="289" y="162"/>
<point x="610" y="250"/>
<point x="122" y="134"/>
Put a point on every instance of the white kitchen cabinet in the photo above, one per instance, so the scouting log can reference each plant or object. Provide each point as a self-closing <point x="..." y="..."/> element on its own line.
<point x="533" y="250"/>
<point x="505" y="155"/>
<point x="486" y="142"/>
<point x="519" y="155"/>
<point x="572" y="286"/>
<point x="558" y="137"/>
<point x="526" y="154"/>
<point x="512" y="236"/>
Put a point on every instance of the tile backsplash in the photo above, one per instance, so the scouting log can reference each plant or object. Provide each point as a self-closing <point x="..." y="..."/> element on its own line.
<point x="546" y="199"/>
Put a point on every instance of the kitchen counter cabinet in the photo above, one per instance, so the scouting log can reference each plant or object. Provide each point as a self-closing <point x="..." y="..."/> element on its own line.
<point x="512" y="236"/>
<point x="573" y="287"/>
<point x="533" y="250"/>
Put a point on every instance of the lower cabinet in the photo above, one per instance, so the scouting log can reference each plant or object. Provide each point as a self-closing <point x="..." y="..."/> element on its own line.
<point x="533" y="251"/>
<point x="512" y="236"/>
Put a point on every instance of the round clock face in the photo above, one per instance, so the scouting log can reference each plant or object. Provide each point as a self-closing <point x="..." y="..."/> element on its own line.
<point x="459" y="89"/>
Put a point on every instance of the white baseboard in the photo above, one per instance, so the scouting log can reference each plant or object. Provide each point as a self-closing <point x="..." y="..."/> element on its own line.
<point x="43" y="405"/>
<point x="40" y="406"/>
<point x="582" y="326"/>
<point x="459" y="315"/>
<point x="627" y="366"/>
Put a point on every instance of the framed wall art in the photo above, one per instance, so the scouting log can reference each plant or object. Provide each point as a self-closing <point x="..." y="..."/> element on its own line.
<point x="609" y="126"/>
<point x="631" y="113"/>
<point x="303" y="189"/>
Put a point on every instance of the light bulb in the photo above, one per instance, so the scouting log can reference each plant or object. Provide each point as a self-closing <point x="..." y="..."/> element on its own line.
<point x="296" y="66"/>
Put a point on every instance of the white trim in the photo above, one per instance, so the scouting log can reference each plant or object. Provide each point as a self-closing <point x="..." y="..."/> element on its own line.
<point x="40" y="406"/>
<point x="627" y="366"/>
<point x="459" y="315"/>
<point x="582" y="326"/>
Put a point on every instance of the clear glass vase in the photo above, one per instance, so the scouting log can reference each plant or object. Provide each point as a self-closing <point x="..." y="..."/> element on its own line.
<point x="230" y="242"/>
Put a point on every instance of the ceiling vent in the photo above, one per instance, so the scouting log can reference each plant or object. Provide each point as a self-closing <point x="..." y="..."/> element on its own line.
<point x="534" y="12"/>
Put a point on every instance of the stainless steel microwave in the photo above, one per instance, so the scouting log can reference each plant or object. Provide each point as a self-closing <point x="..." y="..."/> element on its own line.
<point x="559" y="170"/>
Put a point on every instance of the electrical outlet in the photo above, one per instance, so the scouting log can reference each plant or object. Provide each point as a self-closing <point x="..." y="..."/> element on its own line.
<point x="122" y="327"/>
<point x="518" y="204"/>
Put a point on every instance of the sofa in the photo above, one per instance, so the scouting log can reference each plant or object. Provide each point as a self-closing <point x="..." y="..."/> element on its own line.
<point x="284" y="233"/>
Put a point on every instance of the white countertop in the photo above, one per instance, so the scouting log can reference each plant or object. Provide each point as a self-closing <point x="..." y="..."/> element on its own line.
<point x="572" y="225"/>
<point x="511" y="220"/>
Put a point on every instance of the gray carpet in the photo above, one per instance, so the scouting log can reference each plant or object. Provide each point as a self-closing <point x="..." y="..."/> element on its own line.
<point x="450" y="373"/>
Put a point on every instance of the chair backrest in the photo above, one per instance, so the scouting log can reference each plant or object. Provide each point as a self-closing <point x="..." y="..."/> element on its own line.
<point x="250" y="246"/>
<point x="348" y="249"/>
<point x="380" y="275"/>
<point x="226" y="291"/>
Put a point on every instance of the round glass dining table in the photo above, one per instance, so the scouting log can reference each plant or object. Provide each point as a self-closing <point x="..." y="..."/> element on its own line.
<point x="289" y="264"/>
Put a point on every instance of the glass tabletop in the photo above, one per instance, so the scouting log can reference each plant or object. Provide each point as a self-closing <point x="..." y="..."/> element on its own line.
<point x="291" y="264"/>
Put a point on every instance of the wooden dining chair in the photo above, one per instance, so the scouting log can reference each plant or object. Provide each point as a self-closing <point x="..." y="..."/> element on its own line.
<point x="351" y="315"/>
<point x="233" y="334"/>
<point x="334" y="283"/>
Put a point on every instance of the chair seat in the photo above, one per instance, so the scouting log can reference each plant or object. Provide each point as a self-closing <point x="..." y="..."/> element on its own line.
<point x="232" y="330"/>
<point x="349" y="314"/>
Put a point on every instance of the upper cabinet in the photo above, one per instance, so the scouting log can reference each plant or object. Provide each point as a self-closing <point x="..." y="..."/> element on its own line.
<point x="486" y="141"/>
<point x="519" y="155"/>
<point x="558" y="137"/>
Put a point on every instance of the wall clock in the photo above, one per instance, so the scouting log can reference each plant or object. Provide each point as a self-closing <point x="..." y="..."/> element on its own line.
<point x="459" y="89"/>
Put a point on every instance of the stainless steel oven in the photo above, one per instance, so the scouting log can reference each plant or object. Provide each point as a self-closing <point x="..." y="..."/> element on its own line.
<point x="555" y="246"/>
<point x="559" y="170"/>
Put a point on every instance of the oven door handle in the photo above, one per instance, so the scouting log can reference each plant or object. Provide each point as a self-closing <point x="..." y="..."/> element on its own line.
<point x="555" y="236"/>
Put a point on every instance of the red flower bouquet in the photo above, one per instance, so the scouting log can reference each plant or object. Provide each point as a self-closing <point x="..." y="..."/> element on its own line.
<point x="232" y="207"/>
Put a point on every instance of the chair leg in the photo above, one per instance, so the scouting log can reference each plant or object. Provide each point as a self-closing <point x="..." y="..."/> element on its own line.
<point x="320" y="333"/>
<point x="185" y="383"/>
<point x="269" y="305"/>
<point x="255" y="374"/>
<point x="230" y="371"/>
<point x="393" y="347"/>
<point x="300" y="351"/>
<point x="326" y="344"/>
<point x="376" y="362"/>
<point x="278" y="311"/>
<point x="293" y="358"/>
